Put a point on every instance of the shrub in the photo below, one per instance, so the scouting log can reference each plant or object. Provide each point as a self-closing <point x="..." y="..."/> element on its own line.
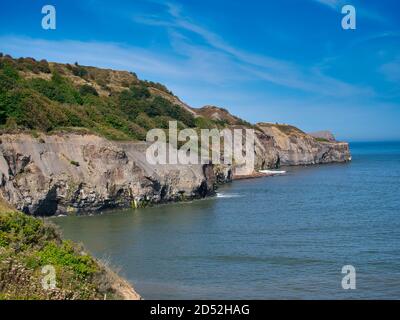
<point x="137" y="131"/>
<point x="11" y="123"/>
<point x="321" y="139"/>
<point x="31" y="110"/>
<point x="43" y="66"/>
<point x="139" y="92"/>
<point x="65" y="256"/>
<point x="156" y="85"/>
<point x="145" y="121"/>
<point x="204" y="123"/>
<point x="75" y="163"/>
<point x="162" y="122"/>
<point x="165" y="107"/>
<point x="19" y="228"/>
<point x="8" y="71"/>
<point x="79" y="71"/>
<point x="87" y="90"/>
<point x="58" y="89"/>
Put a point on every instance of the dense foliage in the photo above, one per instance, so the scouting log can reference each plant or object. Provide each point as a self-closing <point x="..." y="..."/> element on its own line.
<point x="51" y="102"/>
<point x="27" y="244"/>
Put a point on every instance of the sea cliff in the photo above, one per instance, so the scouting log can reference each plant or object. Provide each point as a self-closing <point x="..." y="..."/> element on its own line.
<point x="72" y="140"/>
<point x="68" y="173"/>
<point x="73" y="173"/>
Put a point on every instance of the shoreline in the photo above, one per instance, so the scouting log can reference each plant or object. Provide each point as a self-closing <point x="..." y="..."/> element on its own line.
<point x="255" y="175"/>
<point x="159" y="204"/>
<point x="46" y="246"/>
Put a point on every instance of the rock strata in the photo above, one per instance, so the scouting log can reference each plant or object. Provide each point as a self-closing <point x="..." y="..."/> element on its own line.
<point x="74" y="173"/>
<point x="60" y="174"/>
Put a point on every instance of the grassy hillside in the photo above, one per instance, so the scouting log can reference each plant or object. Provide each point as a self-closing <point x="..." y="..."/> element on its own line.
<point x="27" y="244"/>
<point x="49" y="97"/>
<point x="52" y="97"/>
<point x="222" y="116"/>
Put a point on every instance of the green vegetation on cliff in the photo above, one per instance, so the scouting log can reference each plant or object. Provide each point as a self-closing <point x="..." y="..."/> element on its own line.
<point x="53" y="97"/>
<point x="36" y="95"/>
<point x="27" y="244"/>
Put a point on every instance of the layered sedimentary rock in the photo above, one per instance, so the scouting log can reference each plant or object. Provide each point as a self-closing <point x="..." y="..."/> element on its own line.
<point x="323" y="136"/>
<point x="294" y="147"/>
<point x="64" y="173"/>
<point x="74" y="173"/>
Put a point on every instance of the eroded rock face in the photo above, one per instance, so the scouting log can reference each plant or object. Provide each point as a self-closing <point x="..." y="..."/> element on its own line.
<point x="294" y="147"/>
<point x="284" y="145"/>
<point x="78" y="173"/>
<point x="323" y="135"/>
<point x="66" y="173"/>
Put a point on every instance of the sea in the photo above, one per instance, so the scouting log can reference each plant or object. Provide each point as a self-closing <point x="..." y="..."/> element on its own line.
<point x="317" y="232"/>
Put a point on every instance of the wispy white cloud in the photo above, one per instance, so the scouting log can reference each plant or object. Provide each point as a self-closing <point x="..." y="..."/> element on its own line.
<point x="213" y="71"/>
<point x="101" y="54"/>
<point x="391" y="70"/>
<point x="361" y="9"/>
<point x="214" y="62"/>
<point x="201" y="66"/>
<point x="276" y="71"/>
<point x="334" y="4"/>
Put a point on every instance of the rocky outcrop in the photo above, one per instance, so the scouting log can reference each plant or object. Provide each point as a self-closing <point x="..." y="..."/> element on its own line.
<point x="65" y="173"/>
<point x="218" y="114"/>
<point x="323" y="135"/>
<point x="281" y="144"/>
<point x="294" y="147"/>
<point x="284" y="145"/>
<point x="76" y="173"/>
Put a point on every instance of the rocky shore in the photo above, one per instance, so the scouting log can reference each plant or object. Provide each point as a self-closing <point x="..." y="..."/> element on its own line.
<point x="73" y="173"/>
<point x="61" y="152"/>
<point x="48" y="168"/>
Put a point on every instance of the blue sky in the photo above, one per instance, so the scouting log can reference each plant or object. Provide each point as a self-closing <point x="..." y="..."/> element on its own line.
<point x="286" y="61"/>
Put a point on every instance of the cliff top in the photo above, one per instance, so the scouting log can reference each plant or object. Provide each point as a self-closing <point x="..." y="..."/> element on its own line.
<point x="323" y="136"/>
<point x="54" y="97"/>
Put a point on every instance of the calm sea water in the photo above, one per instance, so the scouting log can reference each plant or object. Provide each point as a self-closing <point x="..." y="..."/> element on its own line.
<point x="284" y="237"/>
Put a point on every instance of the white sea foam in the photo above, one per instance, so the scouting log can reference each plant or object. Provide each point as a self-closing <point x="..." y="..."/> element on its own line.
<point x="231" y="195"/>
<point x="274" y="172"/>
